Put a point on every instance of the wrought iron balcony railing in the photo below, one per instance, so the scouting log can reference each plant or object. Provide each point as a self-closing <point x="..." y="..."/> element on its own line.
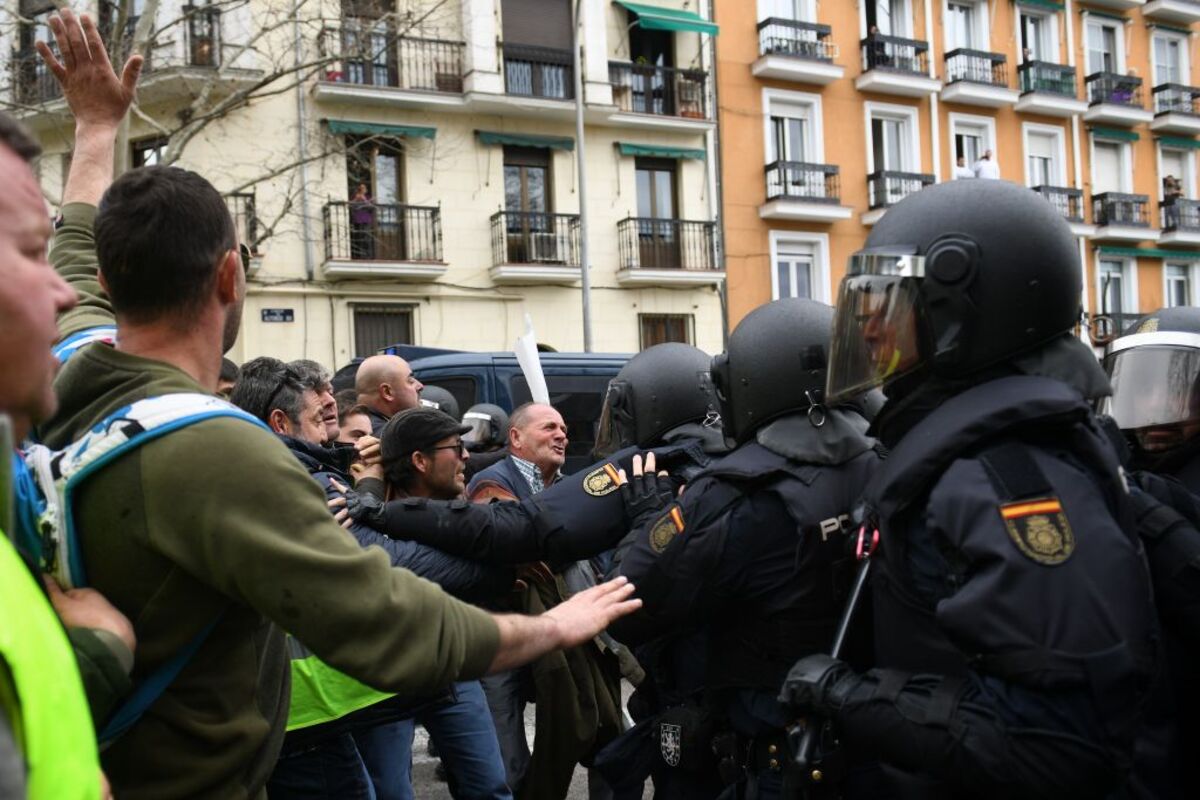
<point x="886" y="188"/>
<point x="1116" y="208"/>
<point x="1176" y="98"/>
<point x="524" y="237"/>
<point x="365" y="53"/>
<point x="245" y="221"/>
<point x="789" y="37"/>
<point x="382" y="232"/>
<point x="797" y="180"/>
<point x="1043" y="76"/>
<point x="1068" y="201"/>
<point x="976" y="66"/>
<point x="662" y="91"/>
<point x="647" y="243"/>
<point x="538" y="71"/>
<point x="1181" y="215"/>
<point x="1110" y="87"/>
<point x="895" y="54"/>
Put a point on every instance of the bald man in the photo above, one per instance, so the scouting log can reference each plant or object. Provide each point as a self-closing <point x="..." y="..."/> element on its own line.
<point x="386" y="386"/>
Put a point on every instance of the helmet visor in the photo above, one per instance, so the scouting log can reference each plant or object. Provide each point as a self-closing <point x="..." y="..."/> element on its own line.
<point x="1154" y="380"/>
<point x="482" y="429"/>
<point x="875" y="324"/>
<point x="611" y="430"/>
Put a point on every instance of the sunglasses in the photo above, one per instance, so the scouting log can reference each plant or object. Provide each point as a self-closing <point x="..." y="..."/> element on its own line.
<point x="461" y="447"/>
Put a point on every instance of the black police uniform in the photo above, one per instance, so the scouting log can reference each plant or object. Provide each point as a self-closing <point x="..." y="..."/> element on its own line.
<point x="753" y="562"/>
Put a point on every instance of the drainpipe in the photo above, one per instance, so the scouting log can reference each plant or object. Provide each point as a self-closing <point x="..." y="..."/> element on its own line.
<point x="713" y="166"/>
<point x="935" y="127"/>
<point x="581" y="167"/>
<point x="302" y="144"/>
<point x="1077" y="159"/>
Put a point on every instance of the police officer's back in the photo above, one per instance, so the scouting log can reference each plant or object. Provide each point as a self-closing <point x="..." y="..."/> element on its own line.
<point x="1015" y="633"/>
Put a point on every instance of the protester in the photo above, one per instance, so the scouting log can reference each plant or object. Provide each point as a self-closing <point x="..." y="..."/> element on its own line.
<point x="386" y="386"/>
<point x="986" y="167"/>
<point x="354" y="423"/>
<point x="317" y="378"/>
<point x="227" y="378"/>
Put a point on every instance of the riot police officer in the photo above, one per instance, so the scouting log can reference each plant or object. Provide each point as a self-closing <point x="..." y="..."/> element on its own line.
<point x="1014" y="628"/>
<point x="752" y="555"/>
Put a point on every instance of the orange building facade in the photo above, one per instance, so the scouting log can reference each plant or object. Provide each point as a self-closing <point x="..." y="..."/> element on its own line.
<point x="833" y="110"/>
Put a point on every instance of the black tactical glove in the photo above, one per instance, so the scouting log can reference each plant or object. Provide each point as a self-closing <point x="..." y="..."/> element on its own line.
<point x="818" y="684"/>
<point x="646" y="496"/>
<point x="365" y="509"/>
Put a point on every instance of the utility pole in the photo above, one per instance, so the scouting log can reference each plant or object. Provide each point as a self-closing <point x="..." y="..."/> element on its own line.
<point x="581" y="168"/>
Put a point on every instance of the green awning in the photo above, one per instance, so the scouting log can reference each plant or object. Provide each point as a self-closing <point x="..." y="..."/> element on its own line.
<point x="526" y="140"/>
<point x="1117" y="17"/>
<point x="1054" y="4"/>
<point x="1162" y="27"/>
<point x="655" y="18"/>
<point x="1150" y="252"/>
<point x="658" y="151"/>
<point x="1175" y="141"/>
<point x="342" y="126"/>
<point x="1114" y="134"/>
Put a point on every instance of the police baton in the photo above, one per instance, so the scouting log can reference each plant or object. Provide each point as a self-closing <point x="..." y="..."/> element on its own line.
<point x="802" y="737"/>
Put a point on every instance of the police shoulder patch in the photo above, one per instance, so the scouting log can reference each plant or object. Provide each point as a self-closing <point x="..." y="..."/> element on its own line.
<point x="667" y="528"/>
<point x="601" y="481"/>
<point x="1040" y="530"/>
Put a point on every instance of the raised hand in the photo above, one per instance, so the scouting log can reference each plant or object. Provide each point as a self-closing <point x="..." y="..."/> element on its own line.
<point x="592" y="610"/>
<point x="94" y="93"/>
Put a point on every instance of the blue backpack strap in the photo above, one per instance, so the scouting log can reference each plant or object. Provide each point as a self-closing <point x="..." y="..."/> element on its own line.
<point x="76" y="341"/>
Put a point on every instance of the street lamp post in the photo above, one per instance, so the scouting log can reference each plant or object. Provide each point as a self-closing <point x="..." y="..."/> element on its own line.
<point x="581" y="168"/>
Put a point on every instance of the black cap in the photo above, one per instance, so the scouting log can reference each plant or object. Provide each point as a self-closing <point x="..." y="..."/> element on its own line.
<point x="417" y="429"/>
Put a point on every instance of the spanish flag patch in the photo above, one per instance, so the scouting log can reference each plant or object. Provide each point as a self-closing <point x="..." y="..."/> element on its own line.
<point x="602" y="480"/>
<point x="1039" y="529"/>
<point x="667" y="528"/>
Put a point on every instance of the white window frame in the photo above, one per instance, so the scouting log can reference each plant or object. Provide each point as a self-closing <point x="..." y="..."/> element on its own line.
<point x="1118" y="27"/>
<point x="1126" y="163"/>
<point x="981" y="32"/>
<point x="1190" y="269"/>
<point x="908" y="18"/>
<point x="973" y="121"/>
<point x="909" y="115"/>
<point x="1060" y="150"/>
<point x="816" y="121"/>
<point x="822" y="284"/>
<point x="1047" y="16"/>
<point x="1185" y="65"/>
<point x="1129" y="274"/>
<point x="1189" y="176"/>
<point x="809" y="10"/>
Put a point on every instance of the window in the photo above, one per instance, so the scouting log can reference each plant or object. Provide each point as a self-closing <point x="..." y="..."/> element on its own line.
<point x="889" y="144"/>
<point x="961" y="26"/>
<point x="1112" y="287"/>
<point x="799" y="10"/>
<point x="790" y="131"/>
<point x="660" y="328"/>
<point x="1170" y="58"/>
<point x="1180" y="165"/>
<point x="1178" y="285"/>
<point x="380" y="326"/>
<point x="204" y="35"/>
<point x="530" y="231"/>
<point x="383" y="232"/>
<point x="1044" y="156"/>
<point x="147" y="152"/>
<point x="368" y="37"/>
<point x="462" y="387"/>
<point x="1105" y="46"/>
<point x="793" y="276"/>
<point x="1039" y="37"/>
<point x="655" y="188"/>
<point x="1110" y="167"/>
<point x="971" y="137"/>
<point x="889" y="17"/>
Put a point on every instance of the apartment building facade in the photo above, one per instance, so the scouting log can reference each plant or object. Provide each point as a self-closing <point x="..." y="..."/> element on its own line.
<point x="841" y="109"/>
<point x="404" y="171"/>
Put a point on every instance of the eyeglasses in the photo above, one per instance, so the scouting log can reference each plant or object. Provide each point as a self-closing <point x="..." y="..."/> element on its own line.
<point x="461" y="447"/>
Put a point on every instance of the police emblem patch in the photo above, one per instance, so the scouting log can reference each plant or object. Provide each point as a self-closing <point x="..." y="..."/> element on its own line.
<point x="602" y="481"/>
<point x="1040" y="530"/>
<point x="666" y="529"/>
<point x="668" y="743"/>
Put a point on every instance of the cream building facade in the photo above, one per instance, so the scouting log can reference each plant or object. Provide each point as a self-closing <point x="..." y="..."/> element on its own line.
<point x="457" y="117"/>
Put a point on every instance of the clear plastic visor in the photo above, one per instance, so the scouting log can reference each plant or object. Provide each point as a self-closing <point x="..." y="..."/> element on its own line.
<point x="875" y="325"/>
<point x="483" y="428"/>
<point x="1153" y="385"/>
<point x="608" y="434"/>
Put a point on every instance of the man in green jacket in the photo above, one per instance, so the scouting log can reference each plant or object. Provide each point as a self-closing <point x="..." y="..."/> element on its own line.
<point x="217" y="521"/>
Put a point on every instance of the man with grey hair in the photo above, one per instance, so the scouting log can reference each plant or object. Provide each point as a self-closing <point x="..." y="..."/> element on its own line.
<point x="316" y="377"/>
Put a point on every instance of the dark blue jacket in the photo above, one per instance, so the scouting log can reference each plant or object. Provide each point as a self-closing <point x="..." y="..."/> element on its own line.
<point x="505" y="474"/>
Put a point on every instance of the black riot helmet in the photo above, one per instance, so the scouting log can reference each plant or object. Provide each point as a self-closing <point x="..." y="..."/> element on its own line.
<point x="1154" y="370"/>
<point x="489" y="427"/>
<point x="659" y="389"/>
<point x="954" y="278"/>
<point x="775" y="365"/>
<point x="439" y="398"/>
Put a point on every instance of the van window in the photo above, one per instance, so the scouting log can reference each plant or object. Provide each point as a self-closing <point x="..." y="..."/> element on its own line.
<point x="579" y="399"/>
<point x="462" y="387"/>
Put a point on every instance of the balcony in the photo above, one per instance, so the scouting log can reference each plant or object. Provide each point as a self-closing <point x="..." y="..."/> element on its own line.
<point x="1180" y="12"/>
<point x="796" y="51"/>
<point x="369" y="66"/>
<point x="1069" y="203"/>
<point x="1181" y="222"/>
<point x="1124" y="217"/>
<point x="977" y="78"/>
<point x="1176" y="109"/>
<point x="803" y="192"/>
<point x="33" y="82"/>
<point x="1117" y="5"/>
<point x="885" y="188"/>
<point x="1048" y="89"/>
<point x="1115" y="99"/>
<point x="650" y="96"/>
<point x="241" y="207"/>
<point x="394" y="241"/>
<point x="530" y="247"/>
<point x="892" y="65"/>
<point x="666" y="252"/>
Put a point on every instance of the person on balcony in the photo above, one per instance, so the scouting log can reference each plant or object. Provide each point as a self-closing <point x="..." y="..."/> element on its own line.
<point x="986" y="167"/>
<point x="961" y="170"/>
<point x="1172" y="191"/>
<point x="362" y="222"/>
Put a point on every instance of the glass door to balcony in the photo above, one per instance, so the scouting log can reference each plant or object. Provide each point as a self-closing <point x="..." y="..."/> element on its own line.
<point x="529" y="235"/>
<point x="1108" y="168"/>
<point x="368" y="38"/>
<point x="1169" y="55"/>
<point x="960" y="26"/>
<point x="1035" y="39"/>
<point x="1179" y="288"/>
<point x="1043" y="166"/>
<point x="794" y="271"/>
<point x="658" y="240"/>
<point x="1112" y="287"/>
<point x="652" y="54"/>
<point x="888" y="17"/>
<point x="377" y="223"/>
<point x="790" y="144"/>
<point x="1102" y="40"/>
